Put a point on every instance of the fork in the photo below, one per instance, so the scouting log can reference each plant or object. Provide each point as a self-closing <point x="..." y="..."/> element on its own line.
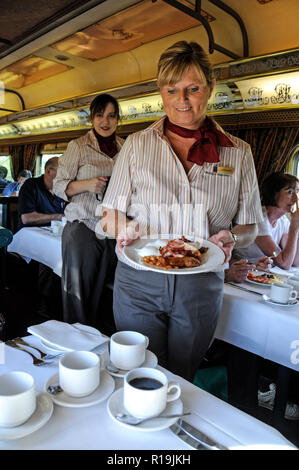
<point x="36" y="361"/>
<point x="42" y="354"/>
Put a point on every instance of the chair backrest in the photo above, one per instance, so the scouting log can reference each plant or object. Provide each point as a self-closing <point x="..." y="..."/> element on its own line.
<point x="6" y="237"/>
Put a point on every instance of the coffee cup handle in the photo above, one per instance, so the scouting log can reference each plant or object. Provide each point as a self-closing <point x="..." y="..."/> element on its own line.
<point x="146" y="342"/>
<point x="173" y="396"/>
<point x="294" y="294"/>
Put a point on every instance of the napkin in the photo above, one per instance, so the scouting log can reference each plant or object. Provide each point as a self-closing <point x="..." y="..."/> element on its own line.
<point x="67" y="337"/>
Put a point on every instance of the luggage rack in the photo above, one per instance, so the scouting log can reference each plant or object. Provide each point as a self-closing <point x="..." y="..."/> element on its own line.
<point x="196" y="13"/>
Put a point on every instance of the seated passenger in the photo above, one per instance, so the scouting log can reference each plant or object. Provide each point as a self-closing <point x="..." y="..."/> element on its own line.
<point x="38" y="204"/>
<point x="3" y="180"/>
<point x="82" y="177"/>
<point x="13" y="188"/>
<point x="278" y="233"/>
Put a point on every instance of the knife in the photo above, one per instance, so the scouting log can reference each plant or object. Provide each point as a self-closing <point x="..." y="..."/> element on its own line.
<point x="194" y="437"/>
<point x="244" y="288"/>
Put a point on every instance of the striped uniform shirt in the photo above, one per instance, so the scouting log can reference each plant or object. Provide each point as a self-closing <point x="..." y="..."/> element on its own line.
<point x="82" y="160"/>
<point x="150" y="184"/>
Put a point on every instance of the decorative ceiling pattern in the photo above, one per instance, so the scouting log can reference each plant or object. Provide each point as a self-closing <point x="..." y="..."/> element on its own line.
<point x="30" y="70"/>
<point x="54" y="52"/>
<point x="128" y="29"/>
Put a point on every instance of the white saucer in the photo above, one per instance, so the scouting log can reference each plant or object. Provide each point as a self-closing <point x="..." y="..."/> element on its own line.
<point x="115" y="406"/>
<point x="291" y="303"/>
<point x="42" y="414"/>
<point x="103" y="391"/>
<point x="150" y="361"/>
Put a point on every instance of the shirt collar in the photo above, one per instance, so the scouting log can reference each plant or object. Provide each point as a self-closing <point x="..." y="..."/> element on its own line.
<point x="90" y="139"/>
<point x="158" y="128"/>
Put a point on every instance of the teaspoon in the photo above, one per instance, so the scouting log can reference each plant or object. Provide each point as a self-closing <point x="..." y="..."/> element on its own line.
<point x="112" y="368"/>
<point x="54" y="389"/>
<point x="128" y="419"/>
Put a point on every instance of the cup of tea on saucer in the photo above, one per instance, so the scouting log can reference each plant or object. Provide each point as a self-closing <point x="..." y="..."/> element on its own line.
<point x="127" y="349"/>
<point x="17" y="398"/>
<point x="282" y="293"/>
<point x="147" y="392"/>
<point x="79" y="373"/>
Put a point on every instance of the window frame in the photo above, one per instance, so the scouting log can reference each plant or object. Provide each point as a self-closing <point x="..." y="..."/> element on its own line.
<point x="293" y="162"/>
<point x="9" y="176"/>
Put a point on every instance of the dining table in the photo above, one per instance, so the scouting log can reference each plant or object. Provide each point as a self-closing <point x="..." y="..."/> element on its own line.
<point x="40" y="244"/>
<point x="246" y="320"/>
<point x="254" y="330"/>
<point x="250" y="323"/>
<point x="92" y="428"/>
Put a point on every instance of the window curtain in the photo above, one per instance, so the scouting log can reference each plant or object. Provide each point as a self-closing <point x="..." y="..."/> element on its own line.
<point x="31" y="152"/>
<point x="271" y="147"/>
<point x="16" y="152"/>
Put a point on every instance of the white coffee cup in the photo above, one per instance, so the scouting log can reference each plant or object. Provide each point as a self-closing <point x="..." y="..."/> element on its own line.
<point x="282" y="293"/>
<point x="141" y="398"/>
<point x="17" y="398"/>
<point x="79" y="373"/>
<point x="56" y="227"/>
<point x="127" y="349"/>
<point x="294" y="281"/>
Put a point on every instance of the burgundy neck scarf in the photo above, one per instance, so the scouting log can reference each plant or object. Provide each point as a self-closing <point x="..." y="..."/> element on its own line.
<point x="208" y="139"/>
<point x="107" y="144"/>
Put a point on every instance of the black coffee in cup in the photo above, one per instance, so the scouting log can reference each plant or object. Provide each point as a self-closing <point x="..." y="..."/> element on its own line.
<point x="145" y="383"/>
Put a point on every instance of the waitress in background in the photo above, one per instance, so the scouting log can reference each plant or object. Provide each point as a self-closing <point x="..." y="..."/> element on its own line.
<point x="83" y="173"/>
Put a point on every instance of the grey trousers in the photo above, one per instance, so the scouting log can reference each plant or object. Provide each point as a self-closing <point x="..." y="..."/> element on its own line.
<point x="177" y="312"/>
<point x="88" y="263"/>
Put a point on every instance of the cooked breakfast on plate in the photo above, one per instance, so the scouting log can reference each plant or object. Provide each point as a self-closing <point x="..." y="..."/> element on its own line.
<point x="177" y="254"/>
<point x="263" y="278"/>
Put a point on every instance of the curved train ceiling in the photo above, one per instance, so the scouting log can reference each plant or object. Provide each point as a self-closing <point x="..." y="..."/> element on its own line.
<point x="53" y="51"/>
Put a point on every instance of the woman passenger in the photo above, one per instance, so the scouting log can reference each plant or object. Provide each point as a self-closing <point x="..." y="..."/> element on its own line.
<point x="278" y="233"/>
<point x="182" y="175"/>
<point x="82" y="177"/>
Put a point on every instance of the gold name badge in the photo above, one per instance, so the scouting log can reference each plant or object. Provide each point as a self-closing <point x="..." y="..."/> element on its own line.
<point x="223" y="170"/>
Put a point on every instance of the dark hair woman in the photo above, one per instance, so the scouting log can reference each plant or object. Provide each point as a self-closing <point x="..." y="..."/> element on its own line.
<point x="278" y="233"/>
<point x="82" y="176"/>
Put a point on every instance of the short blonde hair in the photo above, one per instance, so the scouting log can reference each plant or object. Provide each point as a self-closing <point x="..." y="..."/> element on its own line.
<point x="178" y="58"/>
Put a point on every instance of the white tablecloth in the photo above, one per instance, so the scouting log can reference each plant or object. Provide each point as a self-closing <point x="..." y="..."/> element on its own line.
<point x="245" y="321"/>
<point x="92" y="427"/>
<point x="248" y="322"/>
<point x="39" y="244"/>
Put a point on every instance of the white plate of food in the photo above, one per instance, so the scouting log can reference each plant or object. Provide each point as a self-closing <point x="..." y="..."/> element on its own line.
<point x="263" y="279"/>
<point x="175" y="255"/>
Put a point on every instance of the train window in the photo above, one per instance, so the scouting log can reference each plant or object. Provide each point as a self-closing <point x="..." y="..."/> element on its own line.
<point x="5" y="160"/>
<point x="41" y="161"/>
<point x="293" y="165"/>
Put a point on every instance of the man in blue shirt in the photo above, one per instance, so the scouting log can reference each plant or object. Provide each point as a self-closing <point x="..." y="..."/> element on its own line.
<point x="14" y="187"/>
<point x="38" y="205"/>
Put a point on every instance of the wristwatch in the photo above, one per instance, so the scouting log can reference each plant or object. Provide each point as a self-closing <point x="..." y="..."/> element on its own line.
<point x="235" y="237"/>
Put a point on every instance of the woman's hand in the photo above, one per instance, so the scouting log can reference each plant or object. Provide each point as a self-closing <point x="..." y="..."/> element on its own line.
<point x="264" y="263"/>
<point x="97" y="185"/>
<point x="93" y="185"/>
<point x="295" y="219"/>
<point x="127" y="235"/>
<point x="238" y="271"/>
<point x="225" y="241"/>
